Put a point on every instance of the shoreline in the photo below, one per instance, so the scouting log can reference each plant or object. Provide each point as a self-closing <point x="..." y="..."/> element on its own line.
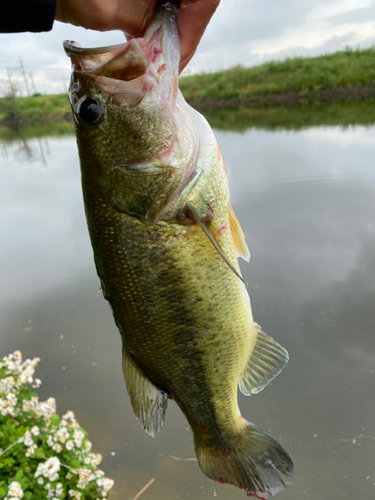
<point x="289" y="99"/>
<point x="305" y="98"/>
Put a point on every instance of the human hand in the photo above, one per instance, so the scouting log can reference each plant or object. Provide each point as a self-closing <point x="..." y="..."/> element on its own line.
<point x="133" y="17"/>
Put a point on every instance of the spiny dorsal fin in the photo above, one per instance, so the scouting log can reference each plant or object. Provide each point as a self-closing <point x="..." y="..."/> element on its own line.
<point x="266" y="362"/>
<point x="238" y="236"/>
<point x="148" y="402"/>
<point x="209" y="230"/>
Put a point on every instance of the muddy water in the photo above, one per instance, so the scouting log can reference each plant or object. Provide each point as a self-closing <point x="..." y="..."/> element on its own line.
<point x="306" y="201"/>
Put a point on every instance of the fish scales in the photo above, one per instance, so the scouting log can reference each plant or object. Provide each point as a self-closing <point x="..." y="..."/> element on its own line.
<point x="165" y="243"/>
<point x="172" y="281"/>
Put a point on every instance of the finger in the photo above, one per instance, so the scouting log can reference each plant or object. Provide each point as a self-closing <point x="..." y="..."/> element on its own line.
<point x="192" y="20"/>
<point x="134" y="17"/>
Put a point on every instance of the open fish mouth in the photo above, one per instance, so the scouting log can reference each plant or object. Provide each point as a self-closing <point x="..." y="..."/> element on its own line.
<point x="126" y="61"/>
<point x="122" y="74"/>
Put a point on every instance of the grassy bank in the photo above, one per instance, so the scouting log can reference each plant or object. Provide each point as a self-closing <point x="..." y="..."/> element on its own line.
<point x="266" y="118"/>
<point x="343" y="76"/>
<point x="35" y="109"/>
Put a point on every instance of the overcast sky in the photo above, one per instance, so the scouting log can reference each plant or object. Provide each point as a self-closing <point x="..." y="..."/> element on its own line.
<point x="246" y="32"/>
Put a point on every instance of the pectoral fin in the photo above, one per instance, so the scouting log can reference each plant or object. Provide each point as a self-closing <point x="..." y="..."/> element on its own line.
<point x="148" y="402"/>
<point x="238" y="236"/>
<point x="209" y="230"/>
<point x="267" y="360"/>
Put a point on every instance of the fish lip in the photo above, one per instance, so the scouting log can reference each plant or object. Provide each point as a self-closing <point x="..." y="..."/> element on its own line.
<point x="74" y="49"/>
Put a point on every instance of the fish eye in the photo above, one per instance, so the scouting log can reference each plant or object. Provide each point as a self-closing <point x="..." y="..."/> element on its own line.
<point x="90" y="111"/>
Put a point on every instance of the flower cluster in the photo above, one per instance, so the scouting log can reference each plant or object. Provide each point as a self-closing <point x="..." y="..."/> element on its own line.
<point x="41" y="455"/>
<point x="15" y="491"/>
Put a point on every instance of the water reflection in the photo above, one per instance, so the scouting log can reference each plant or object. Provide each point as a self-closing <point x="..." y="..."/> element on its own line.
<point x="20" y="151"/>
<point x="17" y="147"/>
<point x="306" y="201"/>
<point x="293" y="118"/>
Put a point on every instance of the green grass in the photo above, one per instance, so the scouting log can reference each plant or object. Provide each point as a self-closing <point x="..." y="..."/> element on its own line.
<point x="38" y="108"/>
<point x="302" y="75"/>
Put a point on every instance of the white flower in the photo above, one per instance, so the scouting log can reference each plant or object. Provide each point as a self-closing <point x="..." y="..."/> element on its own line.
<point x="27" y="406"/>
<point x="7" y="384"/>
<point x="52" y="465"/>
<point x="85" y="476"/>
<point x="57" y="447"/>
<point x="27" y="439"/>
<point x="62" y="434"/>
<point x="37" y="383"/>
<point x="15" y="489"/>
<point x="78" y="437"/>
<point x="31" y="450"/>
<point x="35" y="430"/>
<point x="40" y="480"/>
<point x="105" y="485"/>
<point x="88" y="445"/>
<point x="76" y="494"/>
<point x="69" y="417"/>
<point x="69" y="444"/>
<point x="49" y="469"/>
<point x="96" y="458"/>
<point x="59" y="490"/>
<point x="48" y="408"/>
<point x="7" y="405"/>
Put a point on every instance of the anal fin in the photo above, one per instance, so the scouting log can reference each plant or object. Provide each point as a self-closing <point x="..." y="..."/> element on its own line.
<point x="148" y="402"/>
<point x="267" y="360"/>
<point x="238" y="236"/>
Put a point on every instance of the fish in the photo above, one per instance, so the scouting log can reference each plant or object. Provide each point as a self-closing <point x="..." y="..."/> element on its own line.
<point x="166" y="244"/>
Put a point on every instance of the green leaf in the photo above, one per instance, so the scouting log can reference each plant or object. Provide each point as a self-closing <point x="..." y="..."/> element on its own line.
<point x="2" y="492"/>
<point x="40" y="453"/>
<point x="19" y="474"/>
<point x="74" y="463"/>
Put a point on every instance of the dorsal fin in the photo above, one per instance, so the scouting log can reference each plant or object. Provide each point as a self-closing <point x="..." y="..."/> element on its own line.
<point x="209" y="230"/>
<point x="266" y="361"/>
<point x="238" y="236"/>
<point x="148" y="402"/>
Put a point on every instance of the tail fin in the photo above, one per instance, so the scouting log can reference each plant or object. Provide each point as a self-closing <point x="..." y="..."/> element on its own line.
<point x="250" y="461"/>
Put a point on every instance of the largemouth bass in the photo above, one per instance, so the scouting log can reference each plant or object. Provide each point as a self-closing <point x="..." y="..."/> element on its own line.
<point x="165" y="243"/>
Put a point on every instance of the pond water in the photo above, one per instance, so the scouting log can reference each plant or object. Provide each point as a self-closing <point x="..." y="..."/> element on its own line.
<point x="306" y="201"/>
